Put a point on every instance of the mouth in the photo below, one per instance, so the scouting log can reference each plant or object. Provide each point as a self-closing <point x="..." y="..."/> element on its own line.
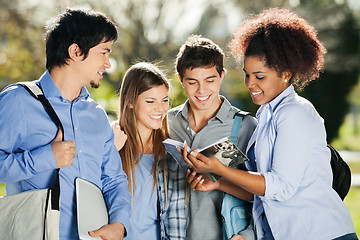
<point x="255" y="94"/>
<point x="100" y="73"/>
<point x="203" y="98"/>
<point x="156" y="117"/>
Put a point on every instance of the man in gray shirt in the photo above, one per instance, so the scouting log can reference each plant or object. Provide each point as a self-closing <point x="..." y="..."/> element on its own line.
<point x="203" y="119"/>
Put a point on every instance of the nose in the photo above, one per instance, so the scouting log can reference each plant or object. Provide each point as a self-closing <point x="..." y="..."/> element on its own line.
<point x="162" y="107"/>
<point x="107" y="63"/>
<point x="201" y="87"/>
<point x="249" y="82"/>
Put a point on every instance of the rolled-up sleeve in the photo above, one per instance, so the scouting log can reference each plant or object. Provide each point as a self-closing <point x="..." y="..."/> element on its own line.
<point x="291" y="152"/>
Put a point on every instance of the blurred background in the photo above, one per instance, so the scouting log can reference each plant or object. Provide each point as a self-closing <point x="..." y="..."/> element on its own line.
<point x="153" y="30"/>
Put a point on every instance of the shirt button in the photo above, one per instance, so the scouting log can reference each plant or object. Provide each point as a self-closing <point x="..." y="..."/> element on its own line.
<point x="80" y="151"/>
<point x="76" y="128"/>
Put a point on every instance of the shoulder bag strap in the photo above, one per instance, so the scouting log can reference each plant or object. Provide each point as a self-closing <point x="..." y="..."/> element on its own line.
<point x="37" y="92"/>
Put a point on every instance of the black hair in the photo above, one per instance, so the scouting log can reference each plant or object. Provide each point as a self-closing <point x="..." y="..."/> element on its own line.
<point x="86" y="28"/>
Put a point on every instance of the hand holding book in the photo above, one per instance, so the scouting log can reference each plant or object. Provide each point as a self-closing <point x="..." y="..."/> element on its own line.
<point x="207" y="160"/>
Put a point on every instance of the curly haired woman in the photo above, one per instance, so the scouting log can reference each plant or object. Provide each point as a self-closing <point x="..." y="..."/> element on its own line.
<point x="292" y="178"/>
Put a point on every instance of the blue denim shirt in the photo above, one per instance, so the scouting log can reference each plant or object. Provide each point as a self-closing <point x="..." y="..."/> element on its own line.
<point x="291" y="153"/>
<point x="27" y="161"/>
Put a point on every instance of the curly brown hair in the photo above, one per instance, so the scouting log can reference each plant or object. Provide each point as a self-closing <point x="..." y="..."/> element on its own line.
<point x="285" y="41"/>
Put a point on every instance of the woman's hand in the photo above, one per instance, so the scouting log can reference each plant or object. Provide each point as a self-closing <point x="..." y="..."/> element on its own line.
<point x="237" y="237"/>
<point x="200" y="163"/>
<point x="200" y="182"/>
<point x="120" y="136"/>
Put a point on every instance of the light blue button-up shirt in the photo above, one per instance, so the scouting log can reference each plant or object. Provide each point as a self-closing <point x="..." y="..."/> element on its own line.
<point x="27" y="161"/>
<point x="144" y="221"/>
<point x="291" y="153"/>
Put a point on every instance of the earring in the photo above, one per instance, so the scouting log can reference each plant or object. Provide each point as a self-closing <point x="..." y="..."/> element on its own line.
<point x="285" y="80"/>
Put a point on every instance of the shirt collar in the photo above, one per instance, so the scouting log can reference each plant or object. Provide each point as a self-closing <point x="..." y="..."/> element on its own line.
<point x="276" y="101"/>
<point x="51" y="90"/>
<point x="221" y="114"/>
<point x="271" y="106"/>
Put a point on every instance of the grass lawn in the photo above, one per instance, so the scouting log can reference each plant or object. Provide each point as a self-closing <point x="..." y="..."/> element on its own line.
<point x="352" y="201"/>
<point x="2" y="189"/>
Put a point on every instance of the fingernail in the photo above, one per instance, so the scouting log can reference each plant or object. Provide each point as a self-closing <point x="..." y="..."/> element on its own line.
<point x="193" y="173"/>
<point x="188" y="171"/>
<point x="193" y="153"/>
<point x="185" y="142"/>
<point x="199" y="177"/>
<point x="202" y="180"/>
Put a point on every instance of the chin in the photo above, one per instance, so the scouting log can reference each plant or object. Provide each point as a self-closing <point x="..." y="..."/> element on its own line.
<point x="94" y="84"/>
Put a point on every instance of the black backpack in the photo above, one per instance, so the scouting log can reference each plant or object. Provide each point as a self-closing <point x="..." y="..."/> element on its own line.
<point x="341" y="173"/>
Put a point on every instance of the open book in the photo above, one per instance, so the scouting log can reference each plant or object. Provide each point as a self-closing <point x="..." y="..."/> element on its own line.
<point x="223" y="149"/>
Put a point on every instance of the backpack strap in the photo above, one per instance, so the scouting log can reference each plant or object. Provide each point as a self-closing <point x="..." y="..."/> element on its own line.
<point x="238" y="118"/>
<point x="37" y="92"/>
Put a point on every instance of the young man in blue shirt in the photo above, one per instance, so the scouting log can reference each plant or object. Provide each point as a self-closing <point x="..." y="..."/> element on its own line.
<point x="78" y="44"/>
<point x="203" y="119"/>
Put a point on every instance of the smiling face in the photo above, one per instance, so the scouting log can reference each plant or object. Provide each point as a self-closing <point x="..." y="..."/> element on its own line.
<point x="202" y="86"/>
<point x="95" y="64"/>
<point x="151" y="108"/>
<point x="264" y="83"/>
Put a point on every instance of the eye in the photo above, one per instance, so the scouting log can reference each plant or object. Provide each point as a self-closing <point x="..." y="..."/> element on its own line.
<point x="192" y="82"/>
<point x="211" y="80"/>
<point x="149" y="101"/>
<point x="260" y="77"/>
<point x="166" y="100"/>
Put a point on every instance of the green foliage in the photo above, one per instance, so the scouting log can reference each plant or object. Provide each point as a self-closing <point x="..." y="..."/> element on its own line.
<point x="348" y="138"/>
<point x="329" y="94"/>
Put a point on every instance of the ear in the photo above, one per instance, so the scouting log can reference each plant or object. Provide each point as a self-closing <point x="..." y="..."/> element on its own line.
<point x="130" y="105"/>
<point x="222" y="75"/>
<point x="179" y="77"/>
<point x="286" y="76"/>
<point x="74" y="52"/>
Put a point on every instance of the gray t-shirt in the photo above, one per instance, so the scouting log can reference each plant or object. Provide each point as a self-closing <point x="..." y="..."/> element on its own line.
<point x="204" y="219"/>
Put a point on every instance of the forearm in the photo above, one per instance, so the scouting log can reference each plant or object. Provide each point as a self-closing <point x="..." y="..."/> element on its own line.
<point x="249" y="181"/>
<point x="15" y="167"/>
<point x="235" y="190"/>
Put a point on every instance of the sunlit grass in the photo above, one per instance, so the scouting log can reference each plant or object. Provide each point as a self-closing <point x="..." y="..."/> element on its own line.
<point x="352" y="203"/>
<point x="2" y="189"/>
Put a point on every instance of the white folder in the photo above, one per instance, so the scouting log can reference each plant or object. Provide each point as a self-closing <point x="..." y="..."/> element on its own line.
<point x="92" y="213"/>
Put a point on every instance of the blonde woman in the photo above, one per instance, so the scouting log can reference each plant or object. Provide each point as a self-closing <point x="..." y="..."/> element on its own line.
<point x="157" y="188"/>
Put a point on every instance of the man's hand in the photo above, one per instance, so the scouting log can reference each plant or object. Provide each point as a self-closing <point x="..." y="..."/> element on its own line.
<point x="120" y="136"/>
<point x="201" y="182"/>
<point x="64" y="151"/>
<point x="112" y="231"/>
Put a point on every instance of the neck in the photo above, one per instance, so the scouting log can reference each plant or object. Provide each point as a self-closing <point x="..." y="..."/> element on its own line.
<point x="67" y="84"/>
<point x="199" y="118"/>
<point x="146" y="141"/>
